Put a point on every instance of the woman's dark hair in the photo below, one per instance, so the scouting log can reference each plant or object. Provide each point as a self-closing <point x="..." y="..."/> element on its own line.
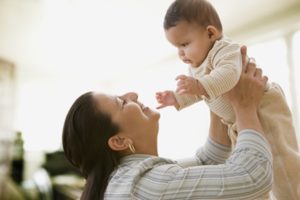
<point x="85" y="142"/>
<point x="193" y="11"/>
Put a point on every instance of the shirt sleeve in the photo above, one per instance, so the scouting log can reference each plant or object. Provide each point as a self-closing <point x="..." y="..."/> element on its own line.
<point x="246" y="174"/>
<point x="211" y="153"/>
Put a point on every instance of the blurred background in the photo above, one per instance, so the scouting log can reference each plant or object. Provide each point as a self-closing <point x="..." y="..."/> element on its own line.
<point x="52" y="51"/>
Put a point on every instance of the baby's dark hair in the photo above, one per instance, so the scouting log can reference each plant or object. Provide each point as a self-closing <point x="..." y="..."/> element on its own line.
<point x="192" y="11"/>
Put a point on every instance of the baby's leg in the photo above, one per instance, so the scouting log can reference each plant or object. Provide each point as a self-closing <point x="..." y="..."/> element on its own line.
<point x="277" y="123"/>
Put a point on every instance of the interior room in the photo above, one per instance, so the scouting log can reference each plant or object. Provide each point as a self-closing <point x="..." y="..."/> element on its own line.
<point x="52" y="51"/>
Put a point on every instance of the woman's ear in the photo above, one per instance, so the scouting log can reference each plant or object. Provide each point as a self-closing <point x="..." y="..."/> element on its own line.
<point x="213" y="32"/>
<point x="118" y="143"/>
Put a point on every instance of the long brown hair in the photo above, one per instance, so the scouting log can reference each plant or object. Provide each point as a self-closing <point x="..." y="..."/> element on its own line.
<point x="85" y="142"/>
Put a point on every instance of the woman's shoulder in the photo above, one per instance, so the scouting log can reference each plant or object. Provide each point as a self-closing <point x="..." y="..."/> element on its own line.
<point x="136" y="167"/>
<point x="144" y="161"/>
<point x="137" y="164"/>
<point x="140" y="171"/>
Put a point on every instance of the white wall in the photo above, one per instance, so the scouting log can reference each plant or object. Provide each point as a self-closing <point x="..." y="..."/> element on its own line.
<point x="62" y="50"/>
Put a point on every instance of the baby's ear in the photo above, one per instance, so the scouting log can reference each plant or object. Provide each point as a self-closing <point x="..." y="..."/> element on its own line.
<point x="213" y="32"/>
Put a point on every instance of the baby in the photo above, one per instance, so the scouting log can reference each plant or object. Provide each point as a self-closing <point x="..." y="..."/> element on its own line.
<point x="215" y="65"/>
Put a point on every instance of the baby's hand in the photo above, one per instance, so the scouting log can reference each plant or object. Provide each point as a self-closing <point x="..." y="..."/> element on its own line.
<point x="165" y="98"/>
<point x="187" y="85"/>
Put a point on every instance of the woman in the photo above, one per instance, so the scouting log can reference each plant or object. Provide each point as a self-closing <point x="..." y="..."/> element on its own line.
<point x="113" y="141"/>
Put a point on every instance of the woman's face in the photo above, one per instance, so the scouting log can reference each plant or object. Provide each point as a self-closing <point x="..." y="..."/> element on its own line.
<point x="136" y="121"/>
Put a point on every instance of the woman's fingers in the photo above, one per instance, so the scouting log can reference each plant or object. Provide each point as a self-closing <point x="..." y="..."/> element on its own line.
<point x="251" y="67"/>
<point x="258" y="72"/>
<point x="265" y="78"/>
<point x="244" y="56"/>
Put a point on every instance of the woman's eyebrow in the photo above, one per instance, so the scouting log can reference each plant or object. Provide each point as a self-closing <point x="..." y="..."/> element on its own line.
<point x="116" y="100"/>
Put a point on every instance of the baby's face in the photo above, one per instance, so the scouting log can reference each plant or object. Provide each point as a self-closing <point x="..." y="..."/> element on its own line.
<point x="192" y="41"/>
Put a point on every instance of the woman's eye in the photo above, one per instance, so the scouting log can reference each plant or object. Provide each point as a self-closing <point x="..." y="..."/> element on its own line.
<point x="124" y="102"/>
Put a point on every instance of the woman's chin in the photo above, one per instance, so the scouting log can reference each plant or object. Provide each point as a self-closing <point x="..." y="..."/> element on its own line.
<point x="157" y="115"/>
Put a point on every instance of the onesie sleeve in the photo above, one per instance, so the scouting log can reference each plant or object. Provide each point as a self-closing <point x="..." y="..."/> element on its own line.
<point x="186" y="100"/>
<point x="226" y="68"/>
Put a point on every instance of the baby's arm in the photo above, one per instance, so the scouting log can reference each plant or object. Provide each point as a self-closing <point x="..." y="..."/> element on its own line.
<point x="226" y="67"/>
<point x="181" y="99"/>
<point x="189" y="91"/>
<point x="189" y="85"/>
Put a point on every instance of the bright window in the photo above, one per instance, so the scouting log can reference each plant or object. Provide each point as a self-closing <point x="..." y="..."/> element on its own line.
<point x="296" y="61"/>
<point x="271" y="57"/>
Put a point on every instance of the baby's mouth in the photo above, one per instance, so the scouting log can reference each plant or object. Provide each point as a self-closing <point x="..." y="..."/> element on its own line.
<point x="186" y="61"/>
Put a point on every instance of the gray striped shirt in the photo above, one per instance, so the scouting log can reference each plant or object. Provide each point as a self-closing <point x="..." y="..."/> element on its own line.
<point x="246" y="174"/>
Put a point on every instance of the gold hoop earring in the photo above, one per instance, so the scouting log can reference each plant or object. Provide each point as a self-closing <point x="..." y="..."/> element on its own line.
<point x="131" y="147"/>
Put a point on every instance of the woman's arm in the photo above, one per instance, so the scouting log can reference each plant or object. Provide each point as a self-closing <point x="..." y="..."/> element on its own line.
<point x="218" y="145"/>
<point x="247" y="174"/>
<point x="216" y="149"/>
<point x="218" y="131"/>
